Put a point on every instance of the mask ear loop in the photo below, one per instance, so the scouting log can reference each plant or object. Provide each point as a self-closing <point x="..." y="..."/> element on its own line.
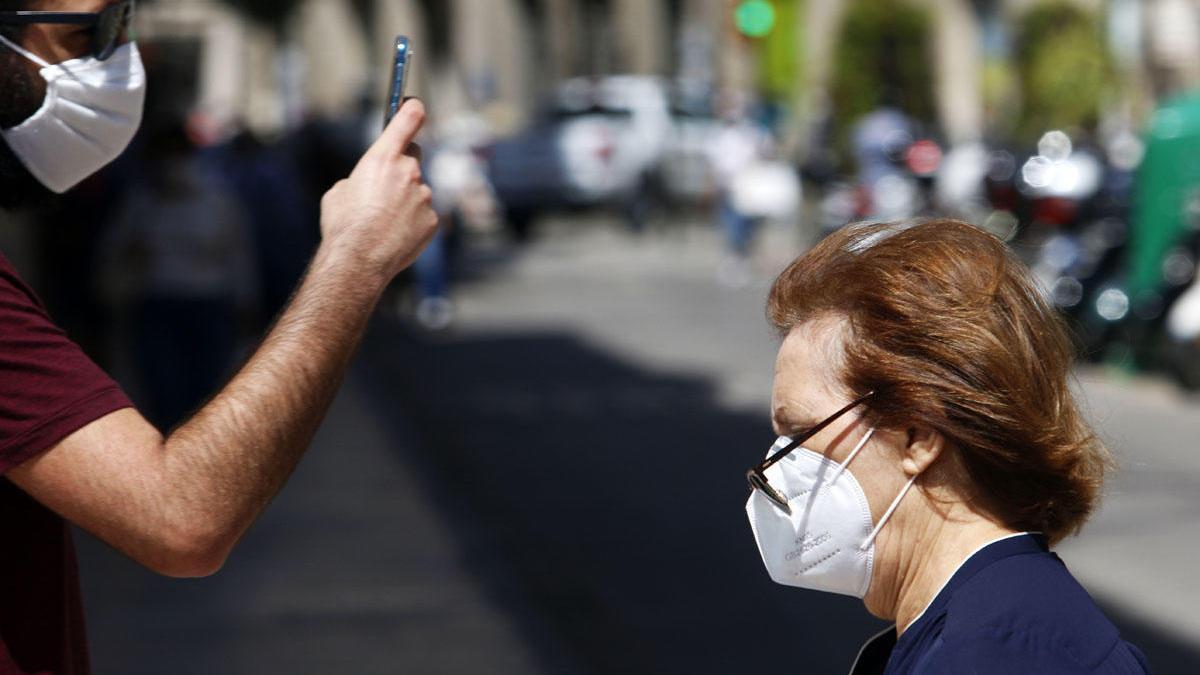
<point x="887" y="514"/>
<point x="861" y="442"/>
<point x="25" y="52"/>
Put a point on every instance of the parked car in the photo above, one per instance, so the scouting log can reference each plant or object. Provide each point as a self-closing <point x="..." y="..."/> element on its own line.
<point x="599" y="144"/>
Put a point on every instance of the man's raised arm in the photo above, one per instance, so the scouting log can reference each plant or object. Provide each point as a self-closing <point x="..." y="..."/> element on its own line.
<point x="179" y="504"/>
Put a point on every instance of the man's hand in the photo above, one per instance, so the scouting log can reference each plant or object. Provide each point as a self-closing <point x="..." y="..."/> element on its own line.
<point x="380" y="218"/>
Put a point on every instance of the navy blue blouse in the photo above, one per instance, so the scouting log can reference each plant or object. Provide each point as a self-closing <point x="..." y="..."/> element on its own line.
<point x="1012" y="607"/>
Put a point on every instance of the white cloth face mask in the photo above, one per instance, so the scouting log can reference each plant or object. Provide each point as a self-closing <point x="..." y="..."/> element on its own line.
<point x="826" y="543"/>
<point x="91" y="112"/>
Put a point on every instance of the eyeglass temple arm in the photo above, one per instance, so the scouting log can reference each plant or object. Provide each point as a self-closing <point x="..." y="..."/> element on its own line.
<point x="813" y="431"/>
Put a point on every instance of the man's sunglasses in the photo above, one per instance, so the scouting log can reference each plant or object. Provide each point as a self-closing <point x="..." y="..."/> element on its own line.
<point x="107" y="25"/>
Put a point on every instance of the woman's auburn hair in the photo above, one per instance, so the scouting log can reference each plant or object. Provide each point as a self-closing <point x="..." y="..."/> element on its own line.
<point x="950" y="331"/>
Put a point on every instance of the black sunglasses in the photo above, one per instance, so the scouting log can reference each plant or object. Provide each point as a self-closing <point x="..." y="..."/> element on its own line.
<point x="107" y="25"/>
<point x="758" y="479"/>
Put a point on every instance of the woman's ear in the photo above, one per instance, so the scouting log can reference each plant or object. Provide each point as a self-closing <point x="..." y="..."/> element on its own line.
<point x="921" y="450"/>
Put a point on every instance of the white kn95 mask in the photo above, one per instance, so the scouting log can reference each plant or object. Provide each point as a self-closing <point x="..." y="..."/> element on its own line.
<point x="826" y="543"/>
<point x="91" y="112"/>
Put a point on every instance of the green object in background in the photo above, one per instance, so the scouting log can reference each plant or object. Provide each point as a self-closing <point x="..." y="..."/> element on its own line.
<point x="780" y="69"/>
<point x="1168" y="178"/>
<point x="754" y="18"/>
<point x="1064" y="70"/>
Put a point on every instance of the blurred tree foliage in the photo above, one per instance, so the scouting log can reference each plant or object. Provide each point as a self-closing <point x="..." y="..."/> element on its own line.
<point x="780" y="73"/>
<point x="1063" y="67"/>
<point x="882" y="58"/>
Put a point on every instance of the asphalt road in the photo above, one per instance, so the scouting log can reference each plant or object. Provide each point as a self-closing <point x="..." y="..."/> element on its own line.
<point x="556" y="485"/>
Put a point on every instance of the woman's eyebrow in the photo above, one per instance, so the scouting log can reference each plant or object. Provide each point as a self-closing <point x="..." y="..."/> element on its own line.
<point x="791" y="420"/>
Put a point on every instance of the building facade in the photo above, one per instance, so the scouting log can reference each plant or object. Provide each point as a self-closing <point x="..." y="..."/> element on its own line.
<point x="500" y="57"/>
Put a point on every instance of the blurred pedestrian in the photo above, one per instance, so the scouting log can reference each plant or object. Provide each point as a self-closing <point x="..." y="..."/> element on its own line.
<point x="931" y="453"/>
<point x="181" y="240"/>
<point x="283" y="229"/>
<point x="737" y="147"/>
<point x="72" y="447"/>
<point x="463" y="199"/>
<point x="447" y="170"/>
<point x="880" y="140"/>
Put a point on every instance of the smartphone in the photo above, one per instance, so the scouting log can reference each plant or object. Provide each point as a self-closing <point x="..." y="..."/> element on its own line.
<point x="401" y="58"/>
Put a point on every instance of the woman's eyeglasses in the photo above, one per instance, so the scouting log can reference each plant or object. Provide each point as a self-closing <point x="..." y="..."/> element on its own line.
<point x="108" y="25"/>
<point x="758" y="479"/>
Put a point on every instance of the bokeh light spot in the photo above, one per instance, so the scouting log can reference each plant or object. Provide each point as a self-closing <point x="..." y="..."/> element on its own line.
<point x="755" y="18"/>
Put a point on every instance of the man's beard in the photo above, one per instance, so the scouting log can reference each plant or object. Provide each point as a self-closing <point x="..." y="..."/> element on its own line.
<point x="21" y="95"/>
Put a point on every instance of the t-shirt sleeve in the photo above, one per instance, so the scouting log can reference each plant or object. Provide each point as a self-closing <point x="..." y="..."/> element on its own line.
<point x="48" y="387"/>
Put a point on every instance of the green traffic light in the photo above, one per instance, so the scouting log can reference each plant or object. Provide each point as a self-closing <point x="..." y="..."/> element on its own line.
<point x="755" y="18"/>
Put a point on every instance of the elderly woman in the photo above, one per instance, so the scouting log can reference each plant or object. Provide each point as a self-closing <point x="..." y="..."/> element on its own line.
<point x="931" y="453"/>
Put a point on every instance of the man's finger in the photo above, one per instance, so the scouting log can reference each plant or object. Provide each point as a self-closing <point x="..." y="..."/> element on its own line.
<point x="403" y="128"/>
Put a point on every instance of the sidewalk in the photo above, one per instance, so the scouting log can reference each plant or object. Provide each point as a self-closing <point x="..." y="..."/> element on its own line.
<point x="351" y="569"/>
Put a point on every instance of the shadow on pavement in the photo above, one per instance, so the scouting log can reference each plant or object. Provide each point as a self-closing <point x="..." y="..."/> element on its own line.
<point x="615" y="498"/>
<point x="611" y="499"/>
<point x="1167" y="656"/>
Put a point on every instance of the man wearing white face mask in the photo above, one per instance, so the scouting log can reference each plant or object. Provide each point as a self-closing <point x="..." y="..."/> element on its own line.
<point x="931" y="453"/>
<point x="92" y="107"/>
<point x="72" y="447"/>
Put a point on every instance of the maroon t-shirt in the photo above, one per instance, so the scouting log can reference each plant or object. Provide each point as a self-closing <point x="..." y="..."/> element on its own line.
<point x="48" y="389"/>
